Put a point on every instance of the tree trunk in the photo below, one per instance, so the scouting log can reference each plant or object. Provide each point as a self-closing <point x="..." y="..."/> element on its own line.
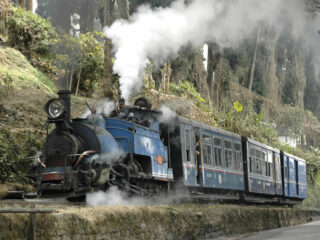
<point x="71" y="79"/>
<point x="30" y="5"/>
<point x="27" y="4"/>
<point x="253" y="63"/>
<point x="107" y="76"/>
<point x="165" y="78"/>
<point x="212" y="62"/>
<point x="123" y="8"/>
<point x="210" y="68"/>
<point x="78" y="82"/>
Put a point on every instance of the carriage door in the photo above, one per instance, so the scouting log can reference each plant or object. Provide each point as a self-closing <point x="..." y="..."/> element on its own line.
<point x="296" y="176"/>
<point x="189" y="166"/>
<point x="198" y="154"/>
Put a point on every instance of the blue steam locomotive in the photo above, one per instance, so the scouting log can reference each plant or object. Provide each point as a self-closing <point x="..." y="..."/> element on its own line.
<point x="144" y="156"/>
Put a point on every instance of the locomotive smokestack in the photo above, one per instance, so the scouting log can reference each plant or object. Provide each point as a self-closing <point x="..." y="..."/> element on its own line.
<point x="65" y="96"/>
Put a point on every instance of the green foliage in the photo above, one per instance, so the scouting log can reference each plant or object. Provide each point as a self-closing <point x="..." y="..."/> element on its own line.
<point x="294" y="121"/>
<point x="13" y="168"/>
<point x="246" y="122"/>
<point x="30" y="33"/>
<point x="9" y="151"/>
<point x="6" y="86"/>
<point x="92" y="61"/>
<point x="253" y="127"/>
<point x="186" y="89"/>
<point x="313" y="197"/>
<point x="173" y="211"/>
<point x="231" y="122"/>
<point x="84" y="55"/>
<point x="5" y="10"/>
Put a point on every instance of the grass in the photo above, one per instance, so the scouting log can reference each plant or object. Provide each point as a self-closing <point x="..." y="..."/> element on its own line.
<point x="23" y="75"/>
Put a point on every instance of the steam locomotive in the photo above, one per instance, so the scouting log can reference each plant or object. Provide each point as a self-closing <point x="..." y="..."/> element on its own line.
<point x="144" y="156"/>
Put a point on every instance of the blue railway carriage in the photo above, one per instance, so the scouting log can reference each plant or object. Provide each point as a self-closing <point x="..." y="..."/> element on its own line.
<point x="262" y="169"/>
<point x="294" y="176"/>
<point x="206" y="158"/>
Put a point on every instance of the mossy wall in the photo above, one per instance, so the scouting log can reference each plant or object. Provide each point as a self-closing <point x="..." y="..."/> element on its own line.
<point x="155" y="222"/>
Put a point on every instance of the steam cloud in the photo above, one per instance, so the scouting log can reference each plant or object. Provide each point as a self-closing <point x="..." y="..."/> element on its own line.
<point x="116" y="197"/>
<point x="159" y="34"/>
<point x="104" y="107"/>
<point x="167" y="115"/>
<point x="113" y="197"/>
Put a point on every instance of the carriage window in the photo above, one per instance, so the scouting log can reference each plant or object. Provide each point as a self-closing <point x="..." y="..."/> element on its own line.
<point x="188" y="145"/>
<point x="264" y="163"/>
<point x="259" y="163"/>
<point x="228" y="153"/>
<point x="258" y="166"/>
<point x="286" y="172"/>
<point x="252" y="159"/>
<point x="263" y="168"/>
<point x="217" y="152"/>
<point x="278" y="167"/>
<point x="207" y="152"/>
<point x="269" y="169"/>
<point x="237" y="156"/>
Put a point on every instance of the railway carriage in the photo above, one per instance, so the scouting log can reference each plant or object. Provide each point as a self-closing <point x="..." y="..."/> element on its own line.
<point x="216" y="163"/>
<point x="262" y="169"/>
<point x="294" y="177"/>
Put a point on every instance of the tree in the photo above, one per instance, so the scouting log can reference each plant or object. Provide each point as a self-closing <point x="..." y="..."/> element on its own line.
<point x="27" y="4"/>
<point x="254" y="57"/>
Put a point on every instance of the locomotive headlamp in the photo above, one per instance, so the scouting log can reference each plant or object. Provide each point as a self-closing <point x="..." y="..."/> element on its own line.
<point x="55" y="108"/>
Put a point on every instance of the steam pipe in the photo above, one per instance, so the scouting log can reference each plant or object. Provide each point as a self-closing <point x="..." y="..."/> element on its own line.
<point x="65" y="96"/>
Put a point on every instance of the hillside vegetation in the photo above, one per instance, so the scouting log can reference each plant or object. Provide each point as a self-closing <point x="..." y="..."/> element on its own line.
<point x="16" y="72"/>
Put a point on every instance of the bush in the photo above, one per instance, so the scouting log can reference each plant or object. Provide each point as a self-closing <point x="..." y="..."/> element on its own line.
<point x="5" y="11"/>
<point x="13" y="150"/>
<point x="186" y="89"/>
<point x="6" y="86"/>
<point x="30" y="33"/>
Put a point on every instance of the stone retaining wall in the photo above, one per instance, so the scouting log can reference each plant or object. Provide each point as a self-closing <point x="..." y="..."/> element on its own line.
<point x="155" y="222"/>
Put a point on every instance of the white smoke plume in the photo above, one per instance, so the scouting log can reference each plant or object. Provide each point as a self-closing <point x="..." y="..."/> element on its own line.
<point x="113" y="197"/>
<point x="167" y="114"/>
<point x="159" y="34"/>
<point x="34" y="5"/>
<point x="115" y="154"/>
<point x="116" y="197"/>
<point x="104" y="107"/>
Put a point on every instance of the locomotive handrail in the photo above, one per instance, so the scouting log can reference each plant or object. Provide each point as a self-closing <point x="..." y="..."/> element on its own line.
<point x="85" y="153"/>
